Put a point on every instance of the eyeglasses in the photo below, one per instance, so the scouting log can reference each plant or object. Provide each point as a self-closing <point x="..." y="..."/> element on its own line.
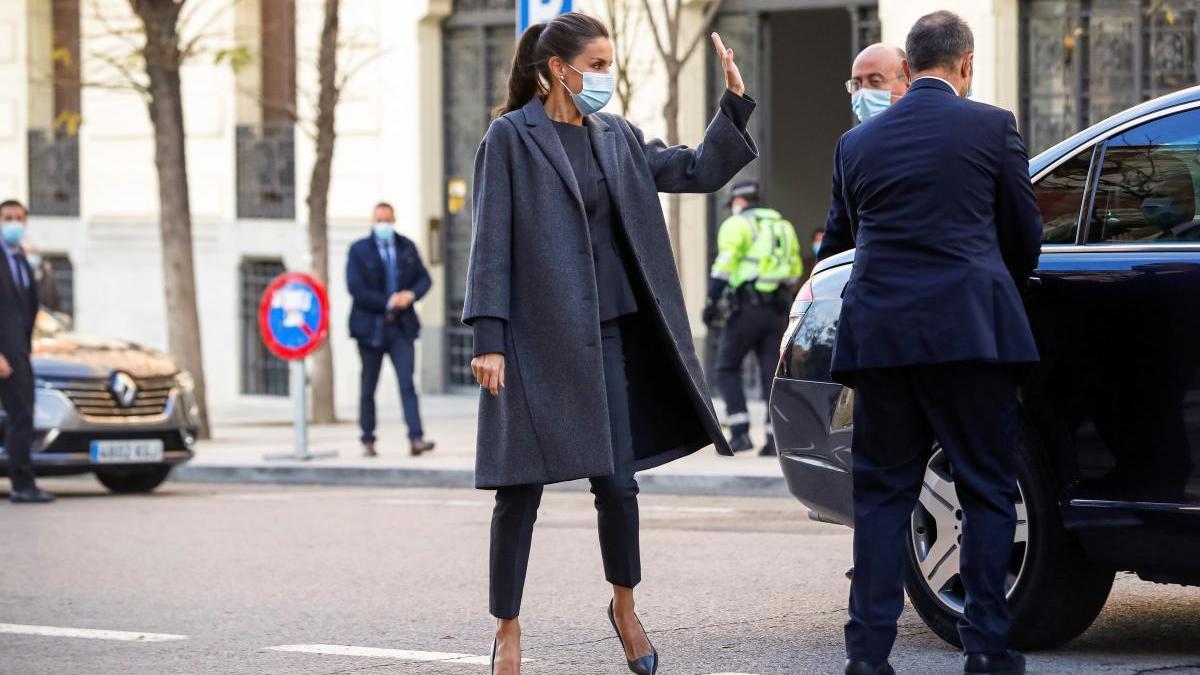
<point x="873" y="82"/>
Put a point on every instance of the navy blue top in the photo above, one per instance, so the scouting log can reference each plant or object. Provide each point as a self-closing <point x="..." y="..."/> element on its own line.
<point x="935" y="198"/>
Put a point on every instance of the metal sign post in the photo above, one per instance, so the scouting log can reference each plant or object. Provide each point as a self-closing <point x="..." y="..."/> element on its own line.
<point x="530" y="12"/>
<point x="294" y="319"/>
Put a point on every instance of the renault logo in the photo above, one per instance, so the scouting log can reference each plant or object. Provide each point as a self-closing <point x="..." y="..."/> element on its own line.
<point x="124" y="389"/>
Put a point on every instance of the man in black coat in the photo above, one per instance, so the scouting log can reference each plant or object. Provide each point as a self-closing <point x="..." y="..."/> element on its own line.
<point x="386" y="278"/>
<point x="935" y="196"/>
<point x="18" y="309"/>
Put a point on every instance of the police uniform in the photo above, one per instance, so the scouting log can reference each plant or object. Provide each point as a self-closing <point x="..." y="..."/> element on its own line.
<point x="758" y="266"/>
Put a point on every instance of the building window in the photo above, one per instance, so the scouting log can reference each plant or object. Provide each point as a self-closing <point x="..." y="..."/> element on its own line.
<point x="55" y="112"/>
<point x="1084" y="60"/>
<point x="266" y="176"/>
<point x="262" y="372"/>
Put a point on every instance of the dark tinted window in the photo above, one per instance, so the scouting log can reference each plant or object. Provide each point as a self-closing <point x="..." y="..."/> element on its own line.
<point x="1059" y="195"/>
<point x="1148" y="183"/>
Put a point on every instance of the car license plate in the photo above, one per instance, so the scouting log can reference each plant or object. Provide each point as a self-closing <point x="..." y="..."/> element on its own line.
<point x="127" y="452"/>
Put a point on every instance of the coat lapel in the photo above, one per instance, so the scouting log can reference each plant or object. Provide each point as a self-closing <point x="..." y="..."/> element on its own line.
<point x="604" y="144"/>
<point x="542" y="130"/>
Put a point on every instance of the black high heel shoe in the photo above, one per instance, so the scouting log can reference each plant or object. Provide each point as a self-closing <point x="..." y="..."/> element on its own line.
<point x="645" y="665"/>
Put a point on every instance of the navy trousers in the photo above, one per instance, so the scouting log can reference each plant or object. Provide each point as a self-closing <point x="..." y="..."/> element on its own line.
<point x="616" y="502"/>
<point x="971" y="409"/>
<point x="754" y="329"/>
<point x="402" y="352"/>
<point x="16" y="395"/>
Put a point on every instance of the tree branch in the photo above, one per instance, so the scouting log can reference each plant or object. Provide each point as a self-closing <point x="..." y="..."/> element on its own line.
<point x="709" y="14"/>
<point x="654" y="29"/>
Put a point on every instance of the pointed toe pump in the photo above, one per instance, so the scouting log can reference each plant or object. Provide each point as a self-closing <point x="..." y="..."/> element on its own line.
<point x="643" y="665"/>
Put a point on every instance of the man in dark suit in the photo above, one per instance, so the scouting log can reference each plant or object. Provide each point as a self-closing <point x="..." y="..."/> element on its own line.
<point x="935" y="197"/>
<point x="386" y="277"/>
<point x="18" y="309"/>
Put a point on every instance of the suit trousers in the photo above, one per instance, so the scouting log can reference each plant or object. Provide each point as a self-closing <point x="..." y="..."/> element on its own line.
<point x="402" y="352"/>
<point x="970" y="408"/>
<point x="615" y="497"/>
<point x="756" y="329"/>
<point x="16" y="394"/>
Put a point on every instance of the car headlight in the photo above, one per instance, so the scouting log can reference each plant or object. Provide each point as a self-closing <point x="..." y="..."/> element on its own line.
<point x="185" y="382"/>
<point x="800" y="305"/>
<point x="187" y="395"/>
<point x="50" y="409"/>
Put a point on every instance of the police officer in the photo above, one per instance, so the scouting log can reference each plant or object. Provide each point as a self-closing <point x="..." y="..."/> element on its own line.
<point x="753" y="280"/>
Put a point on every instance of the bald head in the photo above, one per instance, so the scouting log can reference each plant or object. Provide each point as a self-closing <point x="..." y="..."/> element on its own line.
<point x="880" y="66"/>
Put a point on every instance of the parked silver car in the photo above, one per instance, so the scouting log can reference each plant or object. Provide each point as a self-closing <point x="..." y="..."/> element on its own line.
<point x="109" y="407"/>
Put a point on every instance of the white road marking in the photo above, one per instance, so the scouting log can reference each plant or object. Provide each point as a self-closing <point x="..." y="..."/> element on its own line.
<point x="378" y="653"/>
<point x="691" y="509"/>
<point x="409" y="501"/>
<point x="88" y="633"/>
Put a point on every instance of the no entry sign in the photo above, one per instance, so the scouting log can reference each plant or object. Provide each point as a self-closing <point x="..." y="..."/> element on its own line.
<point x="294" y="315"/>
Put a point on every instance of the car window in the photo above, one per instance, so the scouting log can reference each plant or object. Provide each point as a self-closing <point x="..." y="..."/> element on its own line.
<point x="1148" y="184"/>
<point x="1059" y="195"/>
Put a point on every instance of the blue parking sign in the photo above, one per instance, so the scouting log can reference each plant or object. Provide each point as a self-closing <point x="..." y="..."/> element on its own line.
<point x="530" y="12"/>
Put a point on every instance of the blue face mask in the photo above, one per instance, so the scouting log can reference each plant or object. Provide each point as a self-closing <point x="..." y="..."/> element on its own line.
<point x="597" y="91"/>
<point x="383" y="231"/>
<point x="12" y="231"/>
<point x="816" y="247"/>
<point x="868" y="103"/>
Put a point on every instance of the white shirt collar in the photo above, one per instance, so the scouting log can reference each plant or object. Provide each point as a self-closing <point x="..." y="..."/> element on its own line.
<point x="939" y="79"/>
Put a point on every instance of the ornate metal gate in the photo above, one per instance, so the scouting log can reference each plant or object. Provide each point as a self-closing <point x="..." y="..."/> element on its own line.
<point x="478" y="41"/>
<point x="1083" y="60"/>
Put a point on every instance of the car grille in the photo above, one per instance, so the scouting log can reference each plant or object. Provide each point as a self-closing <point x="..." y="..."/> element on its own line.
<point x="94" y="398"/>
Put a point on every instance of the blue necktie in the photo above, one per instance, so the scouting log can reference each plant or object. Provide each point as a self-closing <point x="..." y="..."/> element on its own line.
<point x="390" y="259"/>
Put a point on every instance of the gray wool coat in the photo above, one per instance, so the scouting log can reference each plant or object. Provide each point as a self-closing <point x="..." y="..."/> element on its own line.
<point x="531" y="265"/>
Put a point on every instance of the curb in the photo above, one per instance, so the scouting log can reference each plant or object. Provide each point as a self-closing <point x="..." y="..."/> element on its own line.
<point x="654" y="483"/>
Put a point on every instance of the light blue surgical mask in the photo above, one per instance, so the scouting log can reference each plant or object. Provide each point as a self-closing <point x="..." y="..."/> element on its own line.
<point x="816" y="247"/>
<point x="383" y="231"/>
<point x="868" y="103"/>
<point x="597" y="91"/>
<point x="12" y="231"/>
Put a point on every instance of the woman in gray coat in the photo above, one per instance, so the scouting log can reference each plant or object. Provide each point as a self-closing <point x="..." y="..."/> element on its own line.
<point x="582" y="342"/>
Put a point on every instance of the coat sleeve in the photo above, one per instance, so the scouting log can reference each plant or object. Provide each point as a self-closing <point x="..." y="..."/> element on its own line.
<point x="423" y="282"/>
<point x="726" y="148"/>
<point x="839" y="225"/>
<point x="364" y="296"/>
<point x="1018" y="219"/>
<point x="489" y="270"/>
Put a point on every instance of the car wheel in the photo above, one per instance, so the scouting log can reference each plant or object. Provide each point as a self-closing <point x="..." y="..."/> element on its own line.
<point x="1054" y="592"/>
<point x="125" y="481"/>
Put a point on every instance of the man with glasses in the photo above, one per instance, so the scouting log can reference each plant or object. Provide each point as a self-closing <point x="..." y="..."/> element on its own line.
<point x="876" y="80"/>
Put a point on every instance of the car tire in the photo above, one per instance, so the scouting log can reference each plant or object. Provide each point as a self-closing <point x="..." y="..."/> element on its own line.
<point x="1057" y="592"/>
<point x="129" y="481"/>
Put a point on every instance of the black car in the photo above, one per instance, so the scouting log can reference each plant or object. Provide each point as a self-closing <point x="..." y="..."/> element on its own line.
<point x="1110" y="456"/>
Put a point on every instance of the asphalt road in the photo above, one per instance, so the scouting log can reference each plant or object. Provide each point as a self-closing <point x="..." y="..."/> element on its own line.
<point x="216" y="579"/>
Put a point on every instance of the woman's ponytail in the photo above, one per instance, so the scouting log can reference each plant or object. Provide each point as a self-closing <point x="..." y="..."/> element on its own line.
<point x="564" y="36"/>
<point x="523" y="82"/>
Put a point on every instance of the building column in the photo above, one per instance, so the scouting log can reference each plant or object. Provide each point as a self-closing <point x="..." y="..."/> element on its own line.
<point x="14" y="96"/>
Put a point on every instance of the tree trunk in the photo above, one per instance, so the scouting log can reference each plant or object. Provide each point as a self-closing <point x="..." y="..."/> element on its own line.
<point x="324" y="409"/>
<point x="671" y="117"/>
<point x="162" y="55"/>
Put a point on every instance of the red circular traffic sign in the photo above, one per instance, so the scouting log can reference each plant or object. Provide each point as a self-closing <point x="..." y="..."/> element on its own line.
<point x="293" y="315"/>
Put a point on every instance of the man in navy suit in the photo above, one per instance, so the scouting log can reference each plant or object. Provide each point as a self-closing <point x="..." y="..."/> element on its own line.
<point x="18" y="311"/>
<point x="935" y="196"/>
<point x="386" y="277"/>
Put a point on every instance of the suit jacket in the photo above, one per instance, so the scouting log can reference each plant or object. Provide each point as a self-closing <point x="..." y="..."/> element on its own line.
<point x="531" y="265"/>
<point x="366" y="277"/>
<point x="935" y="197"/>
<point x="18" y="310"/>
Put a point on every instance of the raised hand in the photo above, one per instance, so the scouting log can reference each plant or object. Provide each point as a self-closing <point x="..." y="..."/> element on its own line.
<point x="733" y="76"/>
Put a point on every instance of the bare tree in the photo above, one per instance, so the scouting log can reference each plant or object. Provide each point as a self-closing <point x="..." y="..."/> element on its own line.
<point x="625" y="25"/>
<point x="163" y="53"/>
<point x="324" y="408"/>
<point x="665" y="27"/>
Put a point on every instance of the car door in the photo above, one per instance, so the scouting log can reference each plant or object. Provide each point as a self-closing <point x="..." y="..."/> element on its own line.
<point x="1116" y="399"/>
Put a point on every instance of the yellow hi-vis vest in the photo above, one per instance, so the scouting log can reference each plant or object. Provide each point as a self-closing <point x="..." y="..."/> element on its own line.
<point x="758" y="245"/>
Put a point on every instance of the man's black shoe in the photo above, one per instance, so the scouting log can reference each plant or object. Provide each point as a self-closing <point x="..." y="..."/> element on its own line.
<point x="856" y="667"/>
<point x="31" y="496"/>
<point x="768" y="450"/>
<point x="740" y="443"/>
<point x="1008" y="663"/>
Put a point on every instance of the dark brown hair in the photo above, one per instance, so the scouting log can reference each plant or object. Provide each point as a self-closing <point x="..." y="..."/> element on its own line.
<point x="564" y="36"/>
<point x="12" y="202"/>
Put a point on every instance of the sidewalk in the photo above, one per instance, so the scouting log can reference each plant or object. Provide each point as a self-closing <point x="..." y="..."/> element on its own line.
<point x="243" y="436"/>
